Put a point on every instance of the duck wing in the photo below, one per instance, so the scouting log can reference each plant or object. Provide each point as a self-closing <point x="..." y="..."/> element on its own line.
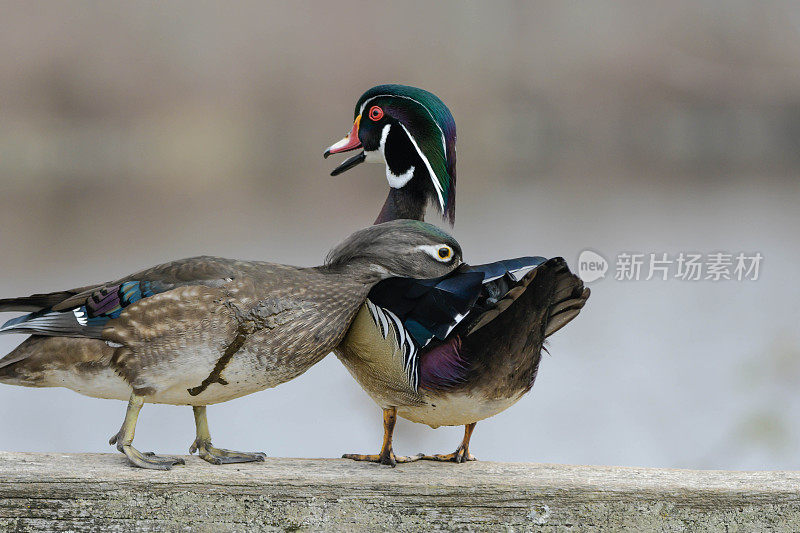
<point x="84" y="312"/>
<point x="425" y="313"/>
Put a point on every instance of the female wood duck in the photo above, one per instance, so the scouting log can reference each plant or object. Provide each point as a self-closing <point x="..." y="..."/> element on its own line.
<point x="457" y="349"/>
<point x="206" y="330"/>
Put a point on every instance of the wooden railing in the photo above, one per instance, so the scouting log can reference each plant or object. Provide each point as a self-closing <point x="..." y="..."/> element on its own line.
<point x="100" y="492"/>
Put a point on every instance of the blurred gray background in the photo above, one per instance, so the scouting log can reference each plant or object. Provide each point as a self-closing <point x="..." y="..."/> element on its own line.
<point x="132" y="133"/>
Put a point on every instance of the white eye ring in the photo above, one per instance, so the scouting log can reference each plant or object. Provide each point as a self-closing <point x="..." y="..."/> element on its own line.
<point x="436" y="251"/>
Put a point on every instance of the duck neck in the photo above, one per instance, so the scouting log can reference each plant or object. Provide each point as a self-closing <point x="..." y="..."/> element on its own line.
<point x="403" y="203"/>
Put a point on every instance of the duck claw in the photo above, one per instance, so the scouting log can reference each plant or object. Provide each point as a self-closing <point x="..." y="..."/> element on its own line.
<point x="219" y="456"/>
<point x="149" y="460"/>
<point x="389" y="459"/>
<point x="458" y="456"/>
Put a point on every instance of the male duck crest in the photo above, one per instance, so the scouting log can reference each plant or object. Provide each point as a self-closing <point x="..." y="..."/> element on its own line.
<point x="414" y="134"/>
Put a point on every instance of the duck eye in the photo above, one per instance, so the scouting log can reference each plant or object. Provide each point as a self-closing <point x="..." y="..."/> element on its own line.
<point x="440" y="252"/>
<point x="375" y="113"/>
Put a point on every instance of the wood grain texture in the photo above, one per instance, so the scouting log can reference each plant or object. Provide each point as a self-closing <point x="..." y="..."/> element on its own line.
<point x="100" y="492"/>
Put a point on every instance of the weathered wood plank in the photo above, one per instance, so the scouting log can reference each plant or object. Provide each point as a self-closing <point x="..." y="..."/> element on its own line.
<point x="100" y="492"/>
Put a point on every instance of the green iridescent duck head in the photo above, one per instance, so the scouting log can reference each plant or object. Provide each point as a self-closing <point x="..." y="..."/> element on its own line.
<point x="414" y="134"/>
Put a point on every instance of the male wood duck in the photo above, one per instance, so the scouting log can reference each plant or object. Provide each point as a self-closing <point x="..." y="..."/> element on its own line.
<point x="461" y="348"/>
<point x="206" y="330"/>
<point x="414" y="134"/>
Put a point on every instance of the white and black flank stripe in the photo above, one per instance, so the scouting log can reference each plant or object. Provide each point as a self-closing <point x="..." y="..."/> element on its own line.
<point x="384" y="320"/>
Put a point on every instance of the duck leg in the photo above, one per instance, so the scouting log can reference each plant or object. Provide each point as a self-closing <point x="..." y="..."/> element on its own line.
<point x="216" y="456"/>
<point x="387" y="456"/>
<point x="124" y="439"/>
<point x="461" y="455"/>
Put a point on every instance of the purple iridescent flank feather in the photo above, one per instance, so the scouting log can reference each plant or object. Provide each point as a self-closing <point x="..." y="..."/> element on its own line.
<point x="105" y="303"/>
<point x="442" y="366"/>
<point x="109" y="301"/>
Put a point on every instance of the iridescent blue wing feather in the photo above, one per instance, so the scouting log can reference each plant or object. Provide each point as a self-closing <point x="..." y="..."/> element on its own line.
<point x="428" y="308"/>
<point x="88" y="319"/>
<point x="84" y="313"/>
<point x="425" y="311"/>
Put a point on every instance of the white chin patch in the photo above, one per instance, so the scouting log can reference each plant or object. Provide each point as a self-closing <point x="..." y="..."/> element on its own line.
<point x="377" y="156"/>
<point x="397" y="182"/>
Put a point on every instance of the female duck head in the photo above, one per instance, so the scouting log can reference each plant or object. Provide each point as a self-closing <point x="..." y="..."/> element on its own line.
<point x="400" y="248"/>
<point x="414" y="134"/>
